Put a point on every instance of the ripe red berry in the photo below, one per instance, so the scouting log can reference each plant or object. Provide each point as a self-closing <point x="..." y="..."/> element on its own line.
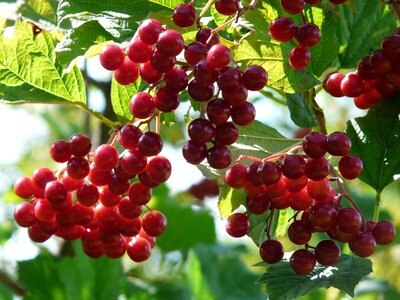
<point x="236" y="176"/>
<point x="226" y="133"/>
<point x="149" y="31"/>
<point x="350" y="167"/>
<point x="170" y="43"/>
<point x="293" y="6"/>
<point x="218" y="56"/>
<point x="200" y="92"/>
<point x="338" y="143"/>
<point x="363" y="244"/>
<point x="106" y="157"/>
<point x="299" y="57"/>
<point x="139" y="194"/>
<point x="127" y="73"/>
<point x="352" y="85"/>
<point x="327" y="253"/>
<point x="23" y="187"/>
<point x="195" y="52"/>
<point x="176" y="80"/>
<point x="384" y="232"/>
<point x="332" y="84"/>
<point x="166" y="100"/>
<point x="150" y="143"/>
<point x="142" y="105"/>
<point x="138" y="51"/>
<point x="243" y="114"/>
<point x="24" y="214"/>
<point x="194" y="152"/>
<point x="227" y="7"/>
<point x="254" y="78"/>
<point x="317" y="168"/>
<point x="269" y="172"/>
<point x="79" y="144"/>
<point x="159" y="169"/>
<point x="133" y="162"/>
<point x="184" y="15"/>
<point x="308" y="34"/>
<point x="128" y="135"/>
<point x="154" y="223"/>
<point x="237" y="225"/>
<point x="148" y="74"/>
<point x="87" y="195"/>
<point x="282" y="29"/>
<point x="162" y="62"/>
<point x="201" y="131"/>
<point x="219" y="157"/>
<point x="139" y="249"/>
<point x="203" y="35"/>
<point x="302" y="262"/>
<point x="299" y="232"/>
<point x="218" y="111"/>
<point x="60" y="151"/>
<point x="314" y="144"/>
<point x="112" y="57"/>
<point x="349" y="220"/>
<point x="293" y="166"/>
<point x="271" y="251"/>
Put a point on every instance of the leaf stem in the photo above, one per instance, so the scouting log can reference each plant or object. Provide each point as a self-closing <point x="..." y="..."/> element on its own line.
<point x="317" y="110"/>
<point x="204" y="11"/>
<point x="376" y="209"/>
<point x="12" y="284"/>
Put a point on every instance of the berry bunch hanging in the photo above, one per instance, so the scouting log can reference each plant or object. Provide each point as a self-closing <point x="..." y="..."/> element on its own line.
<point x="301" y="180"/>
<point x="377" y="76"/>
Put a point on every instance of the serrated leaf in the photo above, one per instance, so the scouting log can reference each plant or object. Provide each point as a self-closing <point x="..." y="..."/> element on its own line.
<point x="119" y="18"/>
<point x="260" y="140"/>
<point x="376" y="140"/>
<point x="344" y="275"/>
<point x="30" y="72"/>
<point x="300" y="110"/>
<point x="273" y="57"/>
<point x="79" y="40"/>
<point x="362" y="29"/>
<point x="229" y="200"/>
<point x="41" y="12"/>
<point x="121" y="96"/>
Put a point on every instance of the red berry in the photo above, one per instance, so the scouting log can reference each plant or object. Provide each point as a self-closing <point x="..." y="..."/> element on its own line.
<point x="302" y="262"/>
<point x="184" y="15"/>
<point x="23" y="187"/>
<point x="112" y="57"/>
<point x="170" y="43"/>
<point x="24" y="214"/>
<point x="254" y="78"/>
<point x="139" y="249"/>
<point x="149" y="31"/>
<point x="327" y="253"/>
<point x="299" y="57"/>
<point x="282" y="29"/>
<point x="159" y="169"/>
<point x="271" y="251"/>
<point x="227" y="7"/>
<point x="293" y="6"/>
<point x="79" y="144"/>
<point x="350" y="167"/>
<point x="218" y="56"/>
<point x="237" y="225"/>
<point x="352" y="85"/>
<point x="127" y="73"/>
<point x="106" y="157"/>
<point x="142" y="105"/>
<point x="154" y="223"/>
<point x="138" y="51"/>
<point x="308" y="34"/>
<point x="363" y="244"/>
<point x="384" y="232"/>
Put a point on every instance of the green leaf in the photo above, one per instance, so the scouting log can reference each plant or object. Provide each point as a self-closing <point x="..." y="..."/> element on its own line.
<point x="80" y="277"/>
<point x="344" y="275"/>
<point x="260" y="140"/>
<point x="41" y="12"/>
<point x="30" y="72"/>
<point x="376" y="140"/>
<point x="82" y="41"/>
<point x="273" y="57"/>
<point x="300" y="110"/>
<point x="225" y="275"/>
<point x="283" y="221"/>
<point x="258" y="224"/>
<point x="362" y="29"/>
<point x="186" y="226"/>
<point x="230" y="199"/>
<point x="121" y="96"/>
<point x="119" y="18"/>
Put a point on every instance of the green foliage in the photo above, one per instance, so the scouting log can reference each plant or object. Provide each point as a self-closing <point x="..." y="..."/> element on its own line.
<point x="376" y="140"/>
<point x="30" y="71"/>
<point x="230" y="199"/>
<point x="361" y="28"/>
<point x="79" y="277"/>
<point x="300" y="111"/>
<point x="186" y="227"/>
<point x="344" y="276"/>
<point x="41" y="12"/>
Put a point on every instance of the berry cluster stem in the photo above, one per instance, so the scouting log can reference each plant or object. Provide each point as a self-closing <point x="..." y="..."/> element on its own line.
<point x="204" y="11"/>
<point x="241" y="12"/>
<point x="376" y="209"/>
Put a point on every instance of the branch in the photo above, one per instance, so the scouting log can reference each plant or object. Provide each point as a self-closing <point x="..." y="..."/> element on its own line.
<point x="12" y="284"/>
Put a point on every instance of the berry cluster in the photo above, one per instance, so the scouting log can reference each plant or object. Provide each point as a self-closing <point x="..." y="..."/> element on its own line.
<point x="303" y="182"/>
<point x="307" y="35"/>
<point x="98" y="197"/>
<point x="204" y="188"/>
<point x="377" y="76"/>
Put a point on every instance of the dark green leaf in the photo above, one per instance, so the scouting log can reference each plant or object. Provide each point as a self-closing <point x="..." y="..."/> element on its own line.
<point x="362" y="28"/>
<point x="30" y="72"/>
<point x="225" y="275"/>
<point x="81" y="277"/>
<point x="376" y="140"/>
<point x="300" y="110"/>
<point x="344" y="275"/>
<point x="230" y="199"/>
<point x="119" y="18"/>
<point x="186" y="226"/>
<point x="90" y="35"/>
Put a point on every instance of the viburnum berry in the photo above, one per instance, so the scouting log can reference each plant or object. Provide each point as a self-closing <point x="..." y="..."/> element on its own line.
<point x="194" y="152"/>
<point x="254" y="78"/>
<point x="184" y="15"/>
<point x="350" y="167"/>
<point x="112" y="57"/>
<point x="138" y="51"/>
<point x="327" y="253"/>
<point x="237" y="225"/>
<point x="243" y="114"/>
<point x="139" y="249"/>
<point x="23" y="187"/>
<point x="299" y="57"/>
<point x="384" y="232"/>
<point x="170" y="42"/>
<point x="154" y="223"/>
<point x="308" y="34"/>
<point x="195" y="52"/>
<point x="293" y="6"/>
<point x="218" y="56"/>
<point x="227" y="7"/>
<point x="219" y="156"/>
<point x="352" y="85"/>
<point x="302" y="261"/>
<point x="142" y="105"/>
<point x="149" y="31"/>
<point x="299" y="232"/>
<point x="127" y="73"/>
<point x="282" y="29"/>
<point x="332" y="84"/>
<point x="159" y="169"/>
<point x="24" y="214"/>
<point x="363" y="244"/>
<point x="271" y="251"/>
